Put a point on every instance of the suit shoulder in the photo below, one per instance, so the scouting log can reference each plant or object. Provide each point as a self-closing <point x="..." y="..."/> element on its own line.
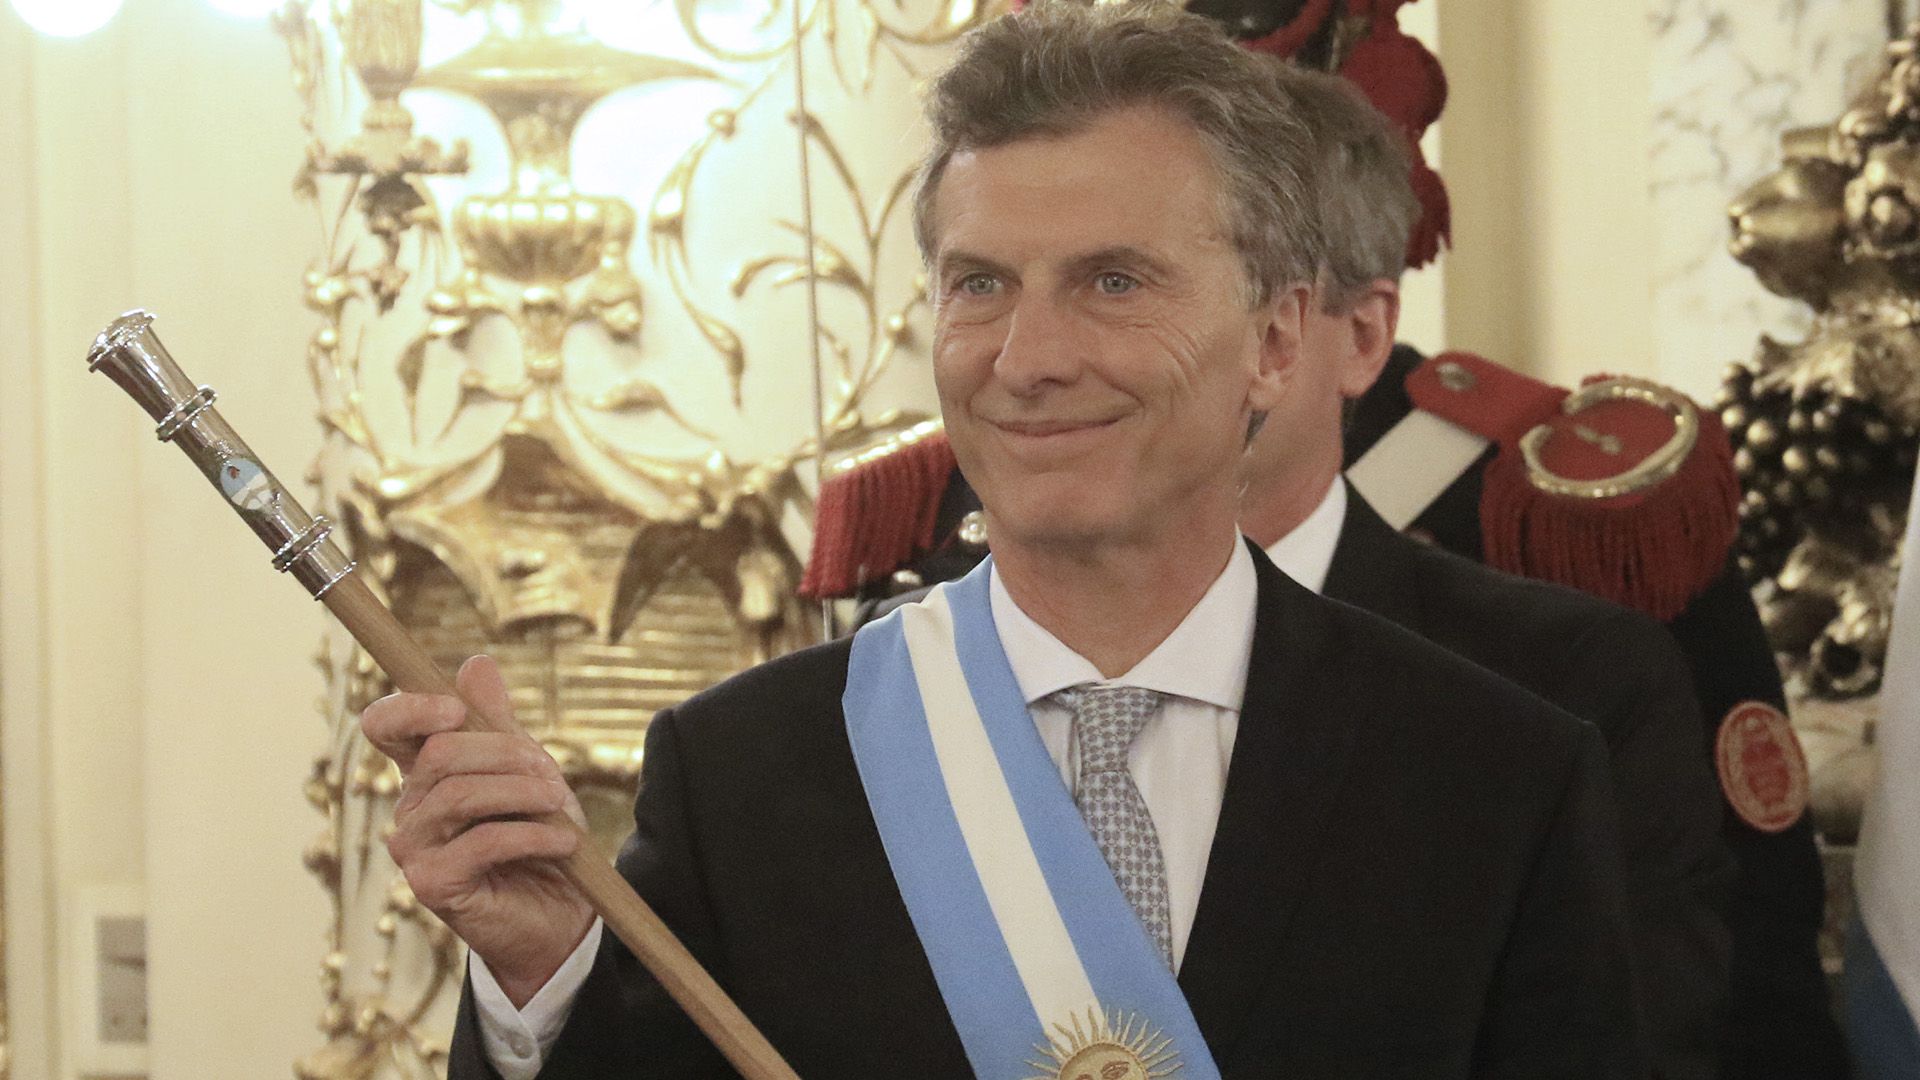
<point x="1539" y="632"/>
<point x="804" y="682"/>
<point x="1428" y="678"/>
<point x="1463" y="584"/>
<point x="1448" y="724"/>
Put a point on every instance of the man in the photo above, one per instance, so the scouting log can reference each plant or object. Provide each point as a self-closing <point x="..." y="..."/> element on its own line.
<point x="1777" y="1022"/>
<point x="1603" y="663"/>
<point x="1606" y="664"/>
<point x="987" y="835"/>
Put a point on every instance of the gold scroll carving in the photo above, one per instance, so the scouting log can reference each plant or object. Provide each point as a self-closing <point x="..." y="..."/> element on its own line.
<point x="567" y="420"/>
<point x="1825" y="429"/>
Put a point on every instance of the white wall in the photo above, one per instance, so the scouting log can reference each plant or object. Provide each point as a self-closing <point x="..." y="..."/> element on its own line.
<point x="155" y="689"/>
<point x="1727" y="78"/>
<point x="1545" y="156"/>
<point x="1423" y="314"/>
<point x="23" y="652"/>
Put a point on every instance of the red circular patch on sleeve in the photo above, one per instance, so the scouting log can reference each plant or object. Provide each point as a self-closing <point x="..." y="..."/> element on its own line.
<point x="1762" y="770"/>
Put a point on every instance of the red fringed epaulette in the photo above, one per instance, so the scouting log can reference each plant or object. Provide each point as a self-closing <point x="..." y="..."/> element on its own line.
<point x="876" y="511"/>
<point x="1624" y="488"/>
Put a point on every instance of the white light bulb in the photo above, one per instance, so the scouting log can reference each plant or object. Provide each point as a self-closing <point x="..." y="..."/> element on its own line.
<point x="66" y="18"/>
<point x="247" y="9"/>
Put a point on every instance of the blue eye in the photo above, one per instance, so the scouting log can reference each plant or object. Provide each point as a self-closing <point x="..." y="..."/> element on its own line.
<point x="1115" y="283"/>
<point x="979" y="284"/>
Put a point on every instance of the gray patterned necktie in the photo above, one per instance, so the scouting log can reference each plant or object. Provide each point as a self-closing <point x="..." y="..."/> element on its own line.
<point x="1106" y="720"/>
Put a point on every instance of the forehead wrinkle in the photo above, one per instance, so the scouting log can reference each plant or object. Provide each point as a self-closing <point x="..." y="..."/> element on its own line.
<point x="961" y="259"/>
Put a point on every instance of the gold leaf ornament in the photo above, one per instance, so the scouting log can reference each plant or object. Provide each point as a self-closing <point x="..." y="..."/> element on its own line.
<point x="725" y="342"/>
<point x="613" y="297"/>
<point x="456" y="307"/>
<point x="634" y="395"/>
<point x="411" y="366"/>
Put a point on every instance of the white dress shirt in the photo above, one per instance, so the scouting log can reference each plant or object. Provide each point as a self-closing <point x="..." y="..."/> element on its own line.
<point x="1306" y="553"/>
<point x="1179" y="763"/>
<point x="1179" y="760"/>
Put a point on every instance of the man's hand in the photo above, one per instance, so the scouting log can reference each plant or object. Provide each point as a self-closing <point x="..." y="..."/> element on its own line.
<point x="462" y="831"/>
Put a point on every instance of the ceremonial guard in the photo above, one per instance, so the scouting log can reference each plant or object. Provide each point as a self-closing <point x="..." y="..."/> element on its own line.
<point x="1660" y="543"/>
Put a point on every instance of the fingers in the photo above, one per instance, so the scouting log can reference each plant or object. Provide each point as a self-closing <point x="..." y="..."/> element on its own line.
<point x="453" y="753"/>
<point x="458" y="804"/>
<point x="399" y="723"/>
<point x="442" y="876"/>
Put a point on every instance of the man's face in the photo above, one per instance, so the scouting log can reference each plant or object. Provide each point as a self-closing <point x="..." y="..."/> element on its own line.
<point x="1096" y="357"/>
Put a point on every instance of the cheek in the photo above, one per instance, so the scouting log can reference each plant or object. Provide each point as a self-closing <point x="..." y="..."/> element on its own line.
<point x="1207" y="372"/>
<point x="1154" y="363"/>
<point x="960" y="361"/>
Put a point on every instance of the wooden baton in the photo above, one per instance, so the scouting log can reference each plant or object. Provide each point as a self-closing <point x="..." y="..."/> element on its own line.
<point x="129" y="353"/>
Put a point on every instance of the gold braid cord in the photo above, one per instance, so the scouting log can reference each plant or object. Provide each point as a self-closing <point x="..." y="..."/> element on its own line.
<point x="588" y="457"/>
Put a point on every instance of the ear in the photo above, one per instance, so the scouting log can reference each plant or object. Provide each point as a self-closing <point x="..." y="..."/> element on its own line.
<point x="1280" y="348"/>
<point x="1372" y="322"/>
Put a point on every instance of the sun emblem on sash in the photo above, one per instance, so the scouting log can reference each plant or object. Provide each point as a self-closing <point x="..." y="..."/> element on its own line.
<point x="1106" y="1047"/>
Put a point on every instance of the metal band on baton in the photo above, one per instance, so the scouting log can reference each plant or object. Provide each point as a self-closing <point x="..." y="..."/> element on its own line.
<point x="129" y="353"/>
<point x="183" y="414"/>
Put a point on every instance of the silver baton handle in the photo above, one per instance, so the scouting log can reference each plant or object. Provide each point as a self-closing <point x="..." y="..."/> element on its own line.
<point x="129" y="353"/>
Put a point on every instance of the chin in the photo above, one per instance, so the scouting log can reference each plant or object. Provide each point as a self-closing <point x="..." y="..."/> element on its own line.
<point x="1062" y="515"/>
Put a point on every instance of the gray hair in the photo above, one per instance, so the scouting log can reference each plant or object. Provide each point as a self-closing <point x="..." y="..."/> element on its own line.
<point x="1367" y="205"/>
<point x="1055" y="67"/>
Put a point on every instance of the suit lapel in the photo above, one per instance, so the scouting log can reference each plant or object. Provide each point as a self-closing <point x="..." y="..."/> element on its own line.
<point x="1290" y="757"/>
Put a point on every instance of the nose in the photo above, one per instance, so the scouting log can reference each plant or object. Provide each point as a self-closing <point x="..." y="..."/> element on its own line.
<point x="1043" y="347"/>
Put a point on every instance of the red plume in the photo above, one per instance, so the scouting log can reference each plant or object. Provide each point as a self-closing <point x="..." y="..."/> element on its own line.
<point x="1435" y="226"/>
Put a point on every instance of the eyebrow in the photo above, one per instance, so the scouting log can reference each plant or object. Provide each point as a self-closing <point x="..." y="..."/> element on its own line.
<point x="1120" y="255"/>
<point x="1115" y="255"/>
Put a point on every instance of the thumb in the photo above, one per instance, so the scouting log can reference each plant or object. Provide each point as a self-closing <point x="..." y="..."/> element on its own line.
<point x="484" y="690"/>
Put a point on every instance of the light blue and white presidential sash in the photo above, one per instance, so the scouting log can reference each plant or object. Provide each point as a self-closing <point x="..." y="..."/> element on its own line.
<point x="1882" y="972"/>
<point x="1043" y="965"/>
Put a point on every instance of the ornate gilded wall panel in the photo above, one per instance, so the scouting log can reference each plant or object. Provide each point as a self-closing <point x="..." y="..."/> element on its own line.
<point x="581" y="266"/>
<point x="1826" y="428"/>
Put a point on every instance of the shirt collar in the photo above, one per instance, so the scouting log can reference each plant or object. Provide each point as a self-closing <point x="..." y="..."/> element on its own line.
<point x="1306" y="553"/>
<point x="1205" y="658"/>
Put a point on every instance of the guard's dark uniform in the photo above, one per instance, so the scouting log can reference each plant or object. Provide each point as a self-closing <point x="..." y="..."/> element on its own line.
<point x="1779" y="1025"/>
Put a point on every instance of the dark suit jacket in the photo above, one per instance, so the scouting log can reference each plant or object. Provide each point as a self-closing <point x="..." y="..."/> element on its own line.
<point x="1621" y="671"/>
<point x="1778" y="1023"/>
<point x="1415" y="875"/>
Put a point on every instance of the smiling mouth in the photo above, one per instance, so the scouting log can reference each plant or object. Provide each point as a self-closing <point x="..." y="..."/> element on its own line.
<point x="1044" y="428"/>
